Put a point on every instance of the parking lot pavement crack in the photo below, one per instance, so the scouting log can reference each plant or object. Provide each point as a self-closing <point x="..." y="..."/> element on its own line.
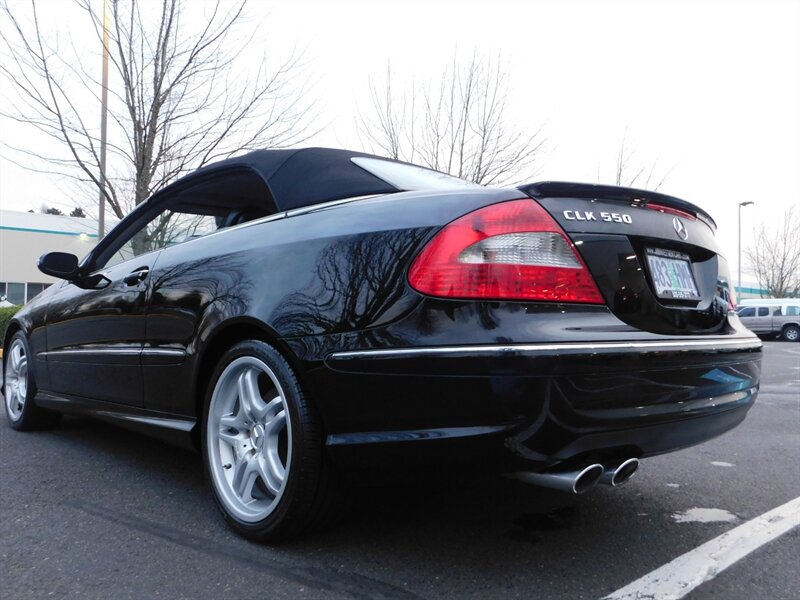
<point x="322" y="578"/>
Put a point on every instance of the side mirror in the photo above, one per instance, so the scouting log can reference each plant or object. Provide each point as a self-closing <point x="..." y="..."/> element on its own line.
<point x="59" y="264"/>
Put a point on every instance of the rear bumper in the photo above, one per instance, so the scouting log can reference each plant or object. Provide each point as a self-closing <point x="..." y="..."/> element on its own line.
<point x="544" y="403"/>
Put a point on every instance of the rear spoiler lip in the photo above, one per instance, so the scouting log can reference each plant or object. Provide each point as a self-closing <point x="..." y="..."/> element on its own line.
<point x="563" y="189"/>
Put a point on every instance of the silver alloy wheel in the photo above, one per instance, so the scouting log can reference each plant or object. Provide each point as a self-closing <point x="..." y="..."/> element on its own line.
<point x="249" y="439"/>
<point x="791" y="334"/>
<point x="16" y="389"/>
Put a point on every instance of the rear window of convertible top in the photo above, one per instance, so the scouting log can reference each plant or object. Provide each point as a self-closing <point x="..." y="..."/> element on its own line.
<point x="410" y="177"/>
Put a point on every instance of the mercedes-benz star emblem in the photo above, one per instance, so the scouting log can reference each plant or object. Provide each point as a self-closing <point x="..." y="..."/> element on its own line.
<point x="680" y="228"/>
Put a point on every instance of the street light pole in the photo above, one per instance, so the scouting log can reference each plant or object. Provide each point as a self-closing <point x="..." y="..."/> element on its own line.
<point x="739" y="260"/>
<point x="101" y="220"/>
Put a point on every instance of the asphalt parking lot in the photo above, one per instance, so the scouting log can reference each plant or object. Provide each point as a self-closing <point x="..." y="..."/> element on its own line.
<point x="91" y="511"/>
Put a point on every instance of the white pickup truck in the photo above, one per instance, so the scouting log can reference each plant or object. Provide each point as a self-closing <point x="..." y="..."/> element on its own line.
<point x="774" y="317"/>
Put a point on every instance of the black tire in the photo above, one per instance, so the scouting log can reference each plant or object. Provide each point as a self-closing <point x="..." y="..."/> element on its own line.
<point x="309" y="494"/>
<point x="19" y="391"/>
<point x="791" y="333"/>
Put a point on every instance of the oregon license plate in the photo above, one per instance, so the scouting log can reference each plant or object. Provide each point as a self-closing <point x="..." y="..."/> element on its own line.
<point x="671" y="272"/>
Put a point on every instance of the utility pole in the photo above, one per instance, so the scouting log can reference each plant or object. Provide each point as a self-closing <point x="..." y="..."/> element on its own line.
<point x="739" y="260"/>
<point x="101" y="221"/>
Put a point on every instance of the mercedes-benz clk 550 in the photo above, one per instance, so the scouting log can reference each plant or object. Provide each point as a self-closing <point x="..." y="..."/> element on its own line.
<point x="295" y="313"/>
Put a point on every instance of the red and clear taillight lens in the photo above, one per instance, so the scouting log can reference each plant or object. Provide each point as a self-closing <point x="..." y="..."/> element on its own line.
<point x="508" y="251"/>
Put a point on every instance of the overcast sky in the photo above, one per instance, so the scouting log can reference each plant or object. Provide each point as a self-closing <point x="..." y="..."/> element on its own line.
<point x="710" y="90"/>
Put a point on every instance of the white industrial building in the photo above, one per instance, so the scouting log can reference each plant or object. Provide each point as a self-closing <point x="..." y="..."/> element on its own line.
<point x="24" y="237"/>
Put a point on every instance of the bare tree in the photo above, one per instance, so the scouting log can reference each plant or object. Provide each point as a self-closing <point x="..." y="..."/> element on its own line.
<point x="632" y="172"/>
<point x="456" y="124"/>
<point x="774" y="258"/>
<point x="179" y="95"/>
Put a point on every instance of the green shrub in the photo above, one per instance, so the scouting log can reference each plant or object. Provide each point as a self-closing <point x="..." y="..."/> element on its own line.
<point x="5" y="318"/>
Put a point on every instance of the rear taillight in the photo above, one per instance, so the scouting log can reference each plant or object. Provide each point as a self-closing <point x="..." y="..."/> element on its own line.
<point x="508" y="251"/>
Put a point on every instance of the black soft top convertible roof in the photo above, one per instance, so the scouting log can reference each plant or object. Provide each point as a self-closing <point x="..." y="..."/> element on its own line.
<point x="300" y="177"/>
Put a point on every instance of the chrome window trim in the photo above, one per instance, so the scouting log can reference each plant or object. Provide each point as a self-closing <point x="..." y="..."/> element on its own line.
<point x="315" y="207"/>
<point x="527" y="348"/>
<point x="276" y="217"/>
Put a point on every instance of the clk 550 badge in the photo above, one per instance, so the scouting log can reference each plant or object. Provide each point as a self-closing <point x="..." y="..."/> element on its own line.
<point x="588" y="215"/>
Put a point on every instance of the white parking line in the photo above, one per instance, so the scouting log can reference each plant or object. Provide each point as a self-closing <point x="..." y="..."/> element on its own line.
<point x="679" y="577"/>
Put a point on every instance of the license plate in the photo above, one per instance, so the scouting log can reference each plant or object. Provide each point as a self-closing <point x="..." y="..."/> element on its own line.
<point x="671" y="272"/>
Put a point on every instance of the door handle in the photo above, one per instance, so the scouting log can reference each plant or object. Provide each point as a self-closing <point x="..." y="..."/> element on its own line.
<point x="136" y="277"/>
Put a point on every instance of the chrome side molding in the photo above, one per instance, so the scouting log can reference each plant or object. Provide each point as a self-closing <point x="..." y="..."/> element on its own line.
<point x="584" y="348"/>
<point x="113" y="352"/>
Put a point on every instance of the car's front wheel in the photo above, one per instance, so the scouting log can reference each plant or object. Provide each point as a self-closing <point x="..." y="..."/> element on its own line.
<point x="20" y="389"/>
<point x="263" y="446"/>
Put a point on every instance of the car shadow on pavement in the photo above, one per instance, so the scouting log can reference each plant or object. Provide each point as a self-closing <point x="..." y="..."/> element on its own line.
<point x="471" y="528"/>
<point x="458" y="502"/>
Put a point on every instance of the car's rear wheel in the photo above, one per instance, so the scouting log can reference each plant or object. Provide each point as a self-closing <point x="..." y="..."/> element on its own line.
<point x="791" y="333"/>
<point x="20" y="389"/>
<point x="263" y="446"/>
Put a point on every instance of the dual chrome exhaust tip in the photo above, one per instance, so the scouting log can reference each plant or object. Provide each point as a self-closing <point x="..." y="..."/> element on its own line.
<point x="580" y="481"/>
<point x="620" y="474"/>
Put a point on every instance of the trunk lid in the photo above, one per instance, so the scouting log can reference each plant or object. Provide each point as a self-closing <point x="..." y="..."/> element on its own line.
<point x="654" y="257"/>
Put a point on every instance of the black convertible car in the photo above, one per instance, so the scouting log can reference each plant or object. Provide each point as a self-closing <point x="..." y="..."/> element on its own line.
<point x="293" y="313"/>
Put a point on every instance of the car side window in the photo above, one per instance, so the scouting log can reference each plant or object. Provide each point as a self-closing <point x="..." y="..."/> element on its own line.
<point x="763" y="311"/>
<point x="792" y="311"/>
<point x="211" y="203"/>
<point x="777" y="312"/>
<point x="747" y="312"/>
<point x="166" y="229"/>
